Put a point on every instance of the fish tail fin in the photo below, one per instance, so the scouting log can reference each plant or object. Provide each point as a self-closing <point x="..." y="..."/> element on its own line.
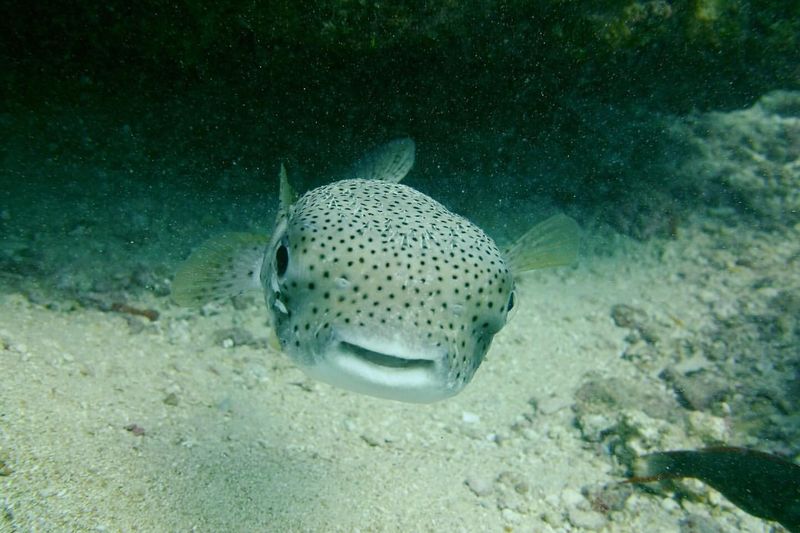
<point x="553" y="242"/>
<point x="389" y="162"/>
<point x="224" y="266"/>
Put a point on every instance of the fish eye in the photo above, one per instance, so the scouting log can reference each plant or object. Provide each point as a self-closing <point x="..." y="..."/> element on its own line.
<point x="281" y="260"/>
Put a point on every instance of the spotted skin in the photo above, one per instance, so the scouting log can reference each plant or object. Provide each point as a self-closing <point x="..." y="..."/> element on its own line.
<point x="377" y="258"/>
<point x="373" y="286"/>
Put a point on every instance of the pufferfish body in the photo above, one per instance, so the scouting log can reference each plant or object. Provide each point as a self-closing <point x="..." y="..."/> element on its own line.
<point x="373" y="286"/>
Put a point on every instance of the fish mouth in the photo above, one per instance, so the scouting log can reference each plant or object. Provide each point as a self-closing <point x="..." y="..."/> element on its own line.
<point x="385" y="360"/>
<point x="393" y="369"/>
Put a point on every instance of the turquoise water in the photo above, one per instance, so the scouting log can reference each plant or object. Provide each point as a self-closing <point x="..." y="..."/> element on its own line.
<point x="670" y="132"/>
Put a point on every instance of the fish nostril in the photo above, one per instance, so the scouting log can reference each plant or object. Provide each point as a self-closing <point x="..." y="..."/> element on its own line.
<point x="281" y="260"/>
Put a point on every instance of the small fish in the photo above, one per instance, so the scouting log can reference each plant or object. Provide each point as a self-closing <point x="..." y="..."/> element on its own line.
<point x="373" y="286"/>
<point x="758" y="483"/>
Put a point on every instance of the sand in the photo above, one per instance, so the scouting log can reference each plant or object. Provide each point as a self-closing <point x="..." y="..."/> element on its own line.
<point x="112" y="422"/>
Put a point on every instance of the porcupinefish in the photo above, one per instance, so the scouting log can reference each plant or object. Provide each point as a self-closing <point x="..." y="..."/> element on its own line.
<point x="374" y="286"/>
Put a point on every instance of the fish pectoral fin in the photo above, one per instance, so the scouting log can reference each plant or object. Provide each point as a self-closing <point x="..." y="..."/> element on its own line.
<point x="553" y="242"/>
<point x="224" y="266"/>
<point x="273" y="341"/>
<point x="389" y="162"/>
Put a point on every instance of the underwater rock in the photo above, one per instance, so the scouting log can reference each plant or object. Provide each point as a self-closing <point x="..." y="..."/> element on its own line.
<point x="171" y="399"/>
<point x="20" y="258"/>
<point x="697" y="390"/>
<point x="625" y="434"/>
<point x="611" y="395"/>
<point x="231" y="337"/>
<point x="147" y="278"/>
<point x="626" y="316"/>
<point x="586" y="519"/>
<point x="635" y="319"/>
<point x="580" y="512"/>
<point x="752" y="156"/>
<point x="609" y="497"/>
<point x="626" y="418"/>
<point x="513" y="481"/>
<point x="478" y="485"/>
<point x="695" y="523"/>
<point x="783" y="320"/>
<point x="135" y="429"/>
<point x="644" y="355"/>
<point x="708" y="428"/>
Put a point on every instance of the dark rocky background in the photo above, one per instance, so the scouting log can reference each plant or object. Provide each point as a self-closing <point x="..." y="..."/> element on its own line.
<point x="566" y="101"/>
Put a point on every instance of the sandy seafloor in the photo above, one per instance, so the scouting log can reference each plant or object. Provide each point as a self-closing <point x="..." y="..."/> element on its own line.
<point x="113" y="422"/>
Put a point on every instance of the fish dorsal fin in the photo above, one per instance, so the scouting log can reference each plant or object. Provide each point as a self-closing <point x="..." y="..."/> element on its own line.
<point x="553" y="242"/>
<point x="287" y="195"/>
<point x="389" y="162"/>
<point x="224" y="266"/>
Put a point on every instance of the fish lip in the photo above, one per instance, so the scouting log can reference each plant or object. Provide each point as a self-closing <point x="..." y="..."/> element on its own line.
<point x="389" y="352"/>
<point x="387" y="360"/>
